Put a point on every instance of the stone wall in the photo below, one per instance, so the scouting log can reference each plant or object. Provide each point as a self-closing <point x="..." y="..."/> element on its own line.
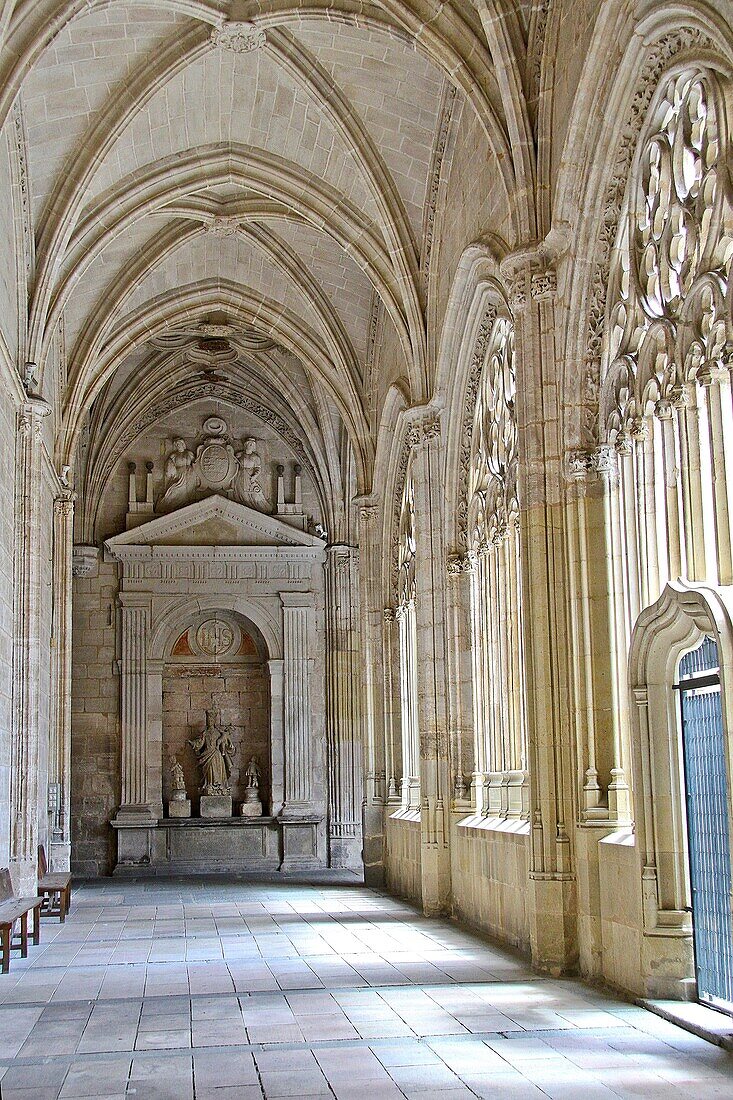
<point x="489" y="870"/>
<point x="95" y="770"/>
<point x="402" y="864"/>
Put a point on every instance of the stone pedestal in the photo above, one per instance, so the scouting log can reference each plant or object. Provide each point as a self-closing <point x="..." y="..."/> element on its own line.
<point x="179" y="807"/>
<point x="300" y="843"/>
<point x="216" y="805"/>
<point x="251" y="809"/>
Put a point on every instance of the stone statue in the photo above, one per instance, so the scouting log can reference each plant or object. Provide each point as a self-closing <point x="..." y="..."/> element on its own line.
<point x="247" y="487"/>
<point x="252" y="806"/>
<point x="252" y="774"/>
<point x="179" y="477"/>
<point x="215" y="749"/>
<point x="178" y="782"/>
<point x="178" y="804"/>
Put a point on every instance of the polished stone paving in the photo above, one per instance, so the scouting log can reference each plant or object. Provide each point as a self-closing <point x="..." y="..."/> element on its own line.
<point x="223" y="990"/>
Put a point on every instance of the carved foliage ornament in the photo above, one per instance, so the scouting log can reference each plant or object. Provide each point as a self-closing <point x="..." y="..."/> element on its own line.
<point x="469" y="406"/>
<point x="666" y="322"/>
<point x="407" y="545"/>
<point x="493" y="504"/>
<point x="238" y="37"/>
<point x="426" y="429"/>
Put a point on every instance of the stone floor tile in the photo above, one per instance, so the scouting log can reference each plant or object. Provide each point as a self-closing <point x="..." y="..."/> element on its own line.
<point x="310" y="1083"/>
<point x="229" y="1092"/>
<point x="96" y="1077"/>
<point x="345" y="979"/>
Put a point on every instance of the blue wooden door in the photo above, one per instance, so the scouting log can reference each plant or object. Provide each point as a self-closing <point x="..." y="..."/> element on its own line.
<point x="708" y="826"/>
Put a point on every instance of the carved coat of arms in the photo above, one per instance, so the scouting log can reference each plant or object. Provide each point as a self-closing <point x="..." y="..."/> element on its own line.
<point x="217" y="465"/>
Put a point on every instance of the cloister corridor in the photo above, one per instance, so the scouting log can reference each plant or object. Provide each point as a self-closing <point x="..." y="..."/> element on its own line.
<point x="216" y="989"/>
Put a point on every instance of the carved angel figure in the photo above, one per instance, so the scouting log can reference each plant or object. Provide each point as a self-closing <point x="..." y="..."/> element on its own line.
<point x="180" y="478"/>
<point x="247" y="487"/>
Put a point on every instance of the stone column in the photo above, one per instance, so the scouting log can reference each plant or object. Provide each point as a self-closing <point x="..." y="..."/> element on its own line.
<point x="277" y="735"/>
<point x="371" y="604"/>
<point x="343" y="711"/>
<point x="552" y="902"/>
<point x="31" y="532"/>
<point x="459" y="572"/>
<point x="297" y="608"/>
<point x="135" y="621"/>
<point x="430" y="602"/>
<point x="59" y="763"/>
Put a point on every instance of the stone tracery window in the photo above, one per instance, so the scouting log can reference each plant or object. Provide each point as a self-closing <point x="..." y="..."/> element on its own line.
<point x="493" y="533"/>
<point x="406" y="589"/>
<point x="666" y="388"/>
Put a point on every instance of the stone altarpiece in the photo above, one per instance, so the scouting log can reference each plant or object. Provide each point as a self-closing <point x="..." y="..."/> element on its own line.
<point x="219" y="557"/>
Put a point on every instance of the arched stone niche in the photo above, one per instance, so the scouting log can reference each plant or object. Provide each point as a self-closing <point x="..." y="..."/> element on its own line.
<point x="219" y="662"/>
<point x="674" y="625"/>
<point x="208" y="561"/>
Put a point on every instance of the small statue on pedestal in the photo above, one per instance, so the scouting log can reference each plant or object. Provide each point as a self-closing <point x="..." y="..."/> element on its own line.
<point x="252" y="806"/>
<point x="214" y="749"/>
<point x="179" y="804"/>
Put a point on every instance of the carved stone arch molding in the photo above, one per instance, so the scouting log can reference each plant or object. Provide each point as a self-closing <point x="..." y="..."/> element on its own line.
<point x="674" y="625"/>
<point x="478" y="298"/>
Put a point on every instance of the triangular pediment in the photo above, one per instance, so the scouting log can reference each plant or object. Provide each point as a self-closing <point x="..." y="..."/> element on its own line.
<point x="215" y="521"/>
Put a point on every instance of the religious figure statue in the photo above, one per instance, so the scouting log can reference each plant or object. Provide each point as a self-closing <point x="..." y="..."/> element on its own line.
<point x="247" y="487"/>
<point x="178" y="782"/>
<point x="180" y="478"/>
<point x="252" y="774"/>
<point x="215" y="749"/>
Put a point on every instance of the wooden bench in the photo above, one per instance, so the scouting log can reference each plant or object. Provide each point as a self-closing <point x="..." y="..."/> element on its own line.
<point x="12" y="911"/>
<point x="53" y="888"/>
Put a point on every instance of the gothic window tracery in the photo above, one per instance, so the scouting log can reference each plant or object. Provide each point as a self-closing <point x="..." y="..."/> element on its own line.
<point x="493" y="535"/>
<point x="666" y="394"/>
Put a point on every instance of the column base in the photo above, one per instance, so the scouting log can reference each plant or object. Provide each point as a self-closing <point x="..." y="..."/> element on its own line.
<point x="133" y="825"/>
<point x="24" y="876"/>
<point x="59" y="855"/>
<point x="346" y="853"/>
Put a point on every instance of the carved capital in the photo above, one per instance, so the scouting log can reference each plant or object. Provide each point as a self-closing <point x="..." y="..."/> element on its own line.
<point x="529" y="272"/>
<point x="663" y="409"/>
<point x="588" y="463"/>
<point x="453" y="566"/>
<point x="682" y="396"/>
<point x="544" y="285"/>
<point x="639" y="429"/>
<point x="238" y="37"/>
<point x="63" y="506"/>
<point x="31" y="414"/>
<point x="388" y="615"/>
<point x="424" y="425"/>
<point x="368" y="514"/>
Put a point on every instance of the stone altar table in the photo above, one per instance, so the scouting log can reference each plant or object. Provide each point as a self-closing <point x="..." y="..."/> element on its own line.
<point x="196" y="845"/>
